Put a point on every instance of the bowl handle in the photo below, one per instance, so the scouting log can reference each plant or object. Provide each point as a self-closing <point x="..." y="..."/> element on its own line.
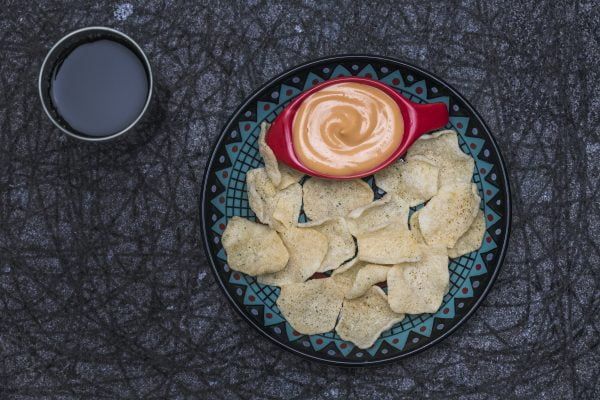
<point x="426" y="118"/>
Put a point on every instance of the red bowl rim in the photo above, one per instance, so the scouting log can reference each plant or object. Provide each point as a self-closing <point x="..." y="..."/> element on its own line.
<point x="284" y="121"/>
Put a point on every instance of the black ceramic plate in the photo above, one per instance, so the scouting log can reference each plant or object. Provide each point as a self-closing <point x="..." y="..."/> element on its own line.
<point x="224" y="196"/>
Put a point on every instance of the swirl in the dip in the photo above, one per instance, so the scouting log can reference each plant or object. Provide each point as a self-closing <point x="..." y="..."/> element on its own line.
<point x="346" y="128"/>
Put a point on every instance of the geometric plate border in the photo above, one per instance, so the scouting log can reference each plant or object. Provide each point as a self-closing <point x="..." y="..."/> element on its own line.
<point x="224" y="195"/>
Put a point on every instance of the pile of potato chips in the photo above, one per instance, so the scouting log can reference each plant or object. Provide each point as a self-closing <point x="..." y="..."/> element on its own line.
<point x="362" y="242"/>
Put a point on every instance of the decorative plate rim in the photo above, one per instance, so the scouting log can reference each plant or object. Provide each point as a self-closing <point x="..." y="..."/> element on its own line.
<point x="340" y="58"/>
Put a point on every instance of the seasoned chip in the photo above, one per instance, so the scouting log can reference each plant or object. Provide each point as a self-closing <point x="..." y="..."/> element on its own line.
<point x="366" y="277"/>
<point x="307" y="248"/>
<point x="449" y="214"/>
<point x="413" y="260"/>
<point x="268" y="156"/>
<point x="311" y="307"/>
<point x="414" y="181"/>
<point x="341" y="243"/>
<point x="286" y="207"/>
<point x="289" y="176"/>
<point x="280" y="174"/>
<point x="261" y="193"/>
<point x="325" y="198"/>
<point x="389" y="245"/>
<point x="471" y="239"/>
<point x="253" y="248"/>
<point x="277" y="208"/>
<point x="377" y="215"/>
<point x="419" y="287"/>
<point x="441" y="149"/>
<point x="414" y="227"/>
<point x="362" y="320"/>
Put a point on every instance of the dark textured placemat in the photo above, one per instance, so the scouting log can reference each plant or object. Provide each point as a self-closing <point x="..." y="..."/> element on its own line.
<point x="105" y="291"/>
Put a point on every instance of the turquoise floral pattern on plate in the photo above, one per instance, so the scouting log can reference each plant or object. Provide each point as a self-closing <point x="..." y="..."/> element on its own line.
<point x="224" y="196"/>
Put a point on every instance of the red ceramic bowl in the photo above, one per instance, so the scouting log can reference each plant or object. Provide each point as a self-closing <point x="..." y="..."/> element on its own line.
<point x="418" y="119"/>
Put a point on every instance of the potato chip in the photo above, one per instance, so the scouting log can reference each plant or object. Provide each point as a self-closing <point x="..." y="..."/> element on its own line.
<point x="280" y="174"/>
<point x="253" y="248"/>
<point x="261" y="194"/>
<point x="419" y="287"/>
<point x="449" y="214"/>
<point x="377" y="215"/>
<point x="414" y="181"/>
<point x="289" y="176"/>
<point x="389" y="245"/>
<point x="307" y="249"/>
<point x="366" y="277"/>
<point x="414" y="227"/>
<point x="441" y="149"/>
<point x="277" y="208"/>
<point x="268" y="156"/>
<point x="413" y="260"/>
<point x="311" y="307"/>
<point x="362" y="320"/>
<point x="286" y="207"/>
<point x="471" y="239"/>
<point x="341" y="243"/>
<point x="325" y="199"/>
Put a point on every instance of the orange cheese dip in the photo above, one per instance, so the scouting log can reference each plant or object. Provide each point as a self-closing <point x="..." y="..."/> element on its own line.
<point x="346" y="128"/>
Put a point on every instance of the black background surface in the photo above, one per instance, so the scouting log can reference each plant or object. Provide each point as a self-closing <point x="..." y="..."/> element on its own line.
<point x="105" y="291"/>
